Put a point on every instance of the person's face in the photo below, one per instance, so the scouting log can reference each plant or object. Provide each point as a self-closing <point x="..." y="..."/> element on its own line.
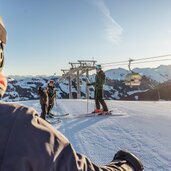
<point x="51" y="84"/>
<point x="97" y="70"/>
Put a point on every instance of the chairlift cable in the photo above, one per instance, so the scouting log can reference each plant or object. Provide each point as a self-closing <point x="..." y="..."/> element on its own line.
<point x="153" y="57"/>
<point x="114" y="62"/>
<point x="152" y="61"/>
<point x="119" y="63"/>
<point x="126" y="64"/>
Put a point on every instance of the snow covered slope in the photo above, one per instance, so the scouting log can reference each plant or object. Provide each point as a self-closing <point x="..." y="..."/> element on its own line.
<point x="144" y="129"/>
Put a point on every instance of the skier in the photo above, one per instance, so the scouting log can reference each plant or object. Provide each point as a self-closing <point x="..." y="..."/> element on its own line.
<point x="29" y="143"/>
<point x="44" y="101"/>
<point x="98" y="94"/>
<point x="51" y="95"/>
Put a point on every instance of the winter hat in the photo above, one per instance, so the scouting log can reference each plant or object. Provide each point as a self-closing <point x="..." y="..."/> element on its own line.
<point x="98" y="67"/>
<point x="3" y="32"/>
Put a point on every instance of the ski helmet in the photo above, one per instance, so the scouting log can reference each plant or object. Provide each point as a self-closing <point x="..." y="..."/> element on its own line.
<point x="3" y="80"/>
<point x="3" y="32"/>
<point x="98" y="67"/>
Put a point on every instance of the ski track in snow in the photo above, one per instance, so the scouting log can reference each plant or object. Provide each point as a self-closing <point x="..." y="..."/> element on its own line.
<point x="144" y="129"/>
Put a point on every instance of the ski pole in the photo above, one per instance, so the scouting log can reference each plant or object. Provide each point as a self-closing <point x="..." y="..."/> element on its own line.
<point x="88" y="81"/>
<point x="55" y="101"/>
<point x="87" y="96"/>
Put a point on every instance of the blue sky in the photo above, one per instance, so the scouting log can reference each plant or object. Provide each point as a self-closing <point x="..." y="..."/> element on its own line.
<point x="44" y="35"/>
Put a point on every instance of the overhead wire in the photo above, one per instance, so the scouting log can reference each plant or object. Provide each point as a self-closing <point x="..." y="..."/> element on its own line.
<point x="134" y="61"/>
<point x="153" y="57"/>
<point x="153" y="61"/>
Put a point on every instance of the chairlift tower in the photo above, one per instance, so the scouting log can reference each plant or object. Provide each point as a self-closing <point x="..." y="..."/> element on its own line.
<point x="86" y="66"/>
<point x="76" y="70"/>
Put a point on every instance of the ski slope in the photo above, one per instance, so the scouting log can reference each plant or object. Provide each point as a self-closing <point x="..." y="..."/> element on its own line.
<point x="144" y="129"/>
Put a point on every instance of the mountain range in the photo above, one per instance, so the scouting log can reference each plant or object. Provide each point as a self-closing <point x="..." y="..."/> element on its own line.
<point x="155" y="85"/>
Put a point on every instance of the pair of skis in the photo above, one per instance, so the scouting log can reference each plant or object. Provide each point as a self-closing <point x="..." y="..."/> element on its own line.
<point x="55" y="115"/>
<point x="54" y="118"/>
<point x="92" y="114"/>
<point x="58" y="118"/>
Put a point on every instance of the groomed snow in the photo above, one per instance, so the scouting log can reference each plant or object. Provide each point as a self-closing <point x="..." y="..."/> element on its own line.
<point x="144" y="129"/>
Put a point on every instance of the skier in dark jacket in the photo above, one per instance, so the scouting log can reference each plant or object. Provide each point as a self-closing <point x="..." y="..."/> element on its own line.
<point x="44" y="101"/>
<point x="98" y="94"/>
<point x="29" y="143"/>
<point x="51" y="95"/>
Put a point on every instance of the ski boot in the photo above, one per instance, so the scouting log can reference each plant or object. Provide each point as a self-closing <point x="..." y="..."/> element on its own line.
<point x="108" y="112"/>
<point x="97" y="111"/>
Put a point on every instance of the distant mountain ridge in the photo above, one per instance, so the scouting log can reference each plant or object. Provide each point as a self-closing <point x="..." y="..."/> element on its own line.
<point x="159" y="74"/>
<point x="156" y="84"/>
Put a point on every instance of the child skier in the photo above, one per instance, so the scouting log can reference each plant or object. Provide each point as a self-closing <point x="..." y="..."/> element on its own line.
<point x="44" y="101"/>
<point x="51" y="95"/>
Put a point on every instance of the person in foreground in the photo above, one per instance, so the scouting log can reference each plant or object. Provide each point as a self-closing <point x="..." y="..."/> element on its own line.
<point x="29" y="143"/>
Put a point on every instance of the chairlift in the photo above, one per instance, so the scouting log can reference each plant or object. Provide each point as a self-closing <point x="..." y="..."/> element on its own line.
<point x="132" y="78"/>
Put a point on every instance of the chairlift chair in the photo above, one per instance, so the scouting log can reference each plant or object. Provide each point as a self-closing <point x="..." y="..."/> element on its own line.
<point x="132" y="78"/>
